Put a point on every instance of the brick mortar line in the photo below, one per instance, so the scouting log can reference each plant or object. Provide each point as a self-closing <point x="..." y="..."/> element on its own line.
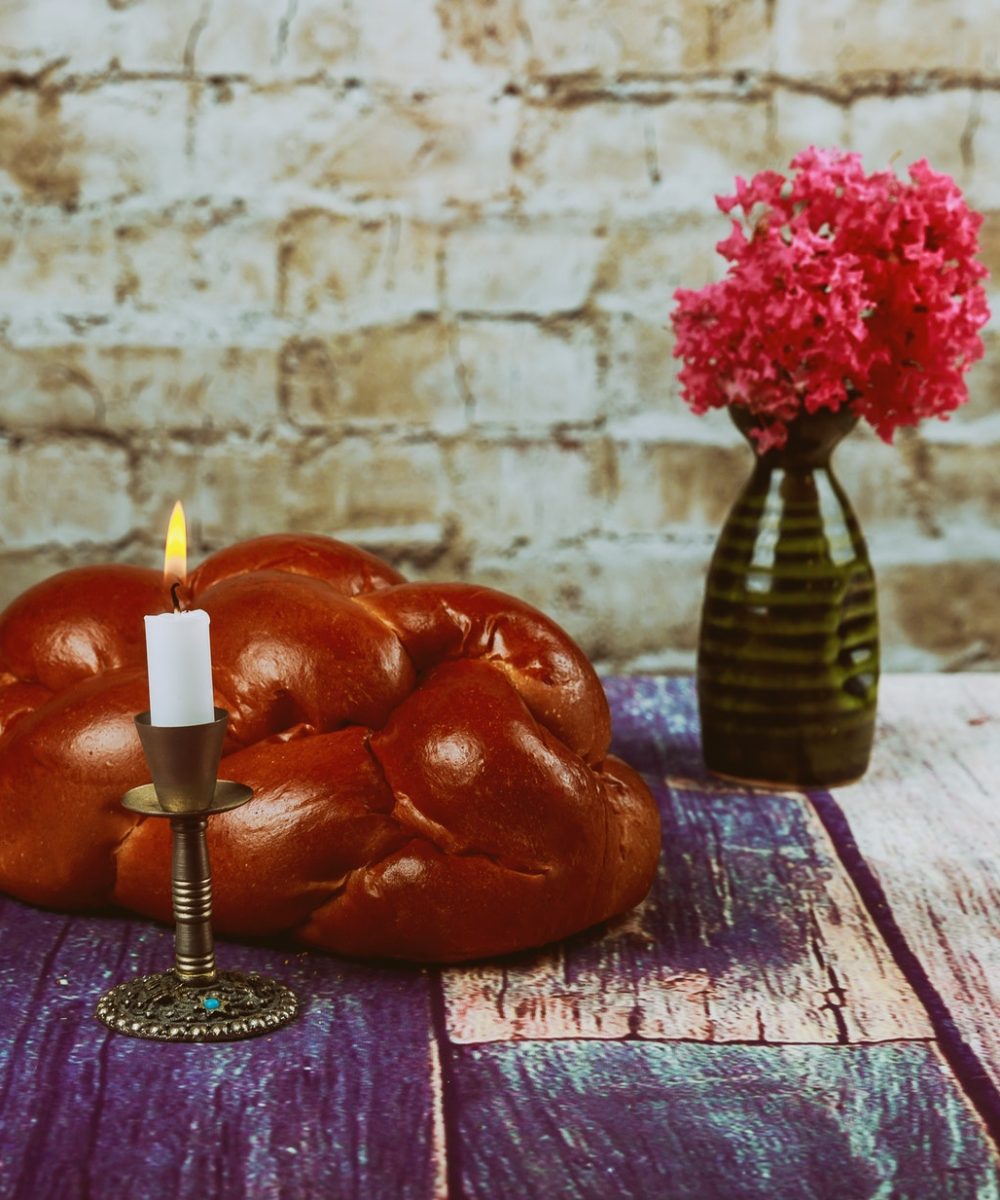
<point x="557" y="88"/>
<point x="669" y="543"/>
<point x="753" y="85"/>
<point x="510" y="215"/>
<point x="263" y="327"/>
<point x="557" y="434"/>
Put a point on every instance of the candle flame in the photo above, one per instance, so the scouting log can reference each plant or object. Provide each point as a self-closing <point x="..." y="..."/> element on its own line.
<point x="175" y="557"/>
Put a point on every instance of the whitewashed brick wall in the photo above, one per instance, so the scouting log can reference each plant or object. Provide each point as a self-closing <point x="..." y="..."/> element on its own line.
<point x="400" y="271"/>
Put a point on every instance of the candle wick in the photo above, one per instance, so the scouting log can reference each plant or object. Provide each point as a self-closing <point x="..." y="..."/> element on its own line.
<point x="175" y="599"/>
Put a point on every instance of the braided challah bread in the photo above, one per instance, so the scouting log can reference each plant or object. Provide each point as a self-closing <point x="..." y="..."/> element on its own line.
<point x="429" y="761"/>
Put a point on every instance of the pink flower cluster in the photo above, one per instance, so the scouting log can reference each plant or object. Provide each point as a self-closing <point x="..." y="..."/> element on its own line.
<point x="843" y="289"/>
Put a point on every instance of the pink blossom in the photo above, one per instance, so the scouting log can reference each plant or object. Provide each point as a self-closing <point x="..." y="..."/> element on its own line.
<point x="842" y="289"/>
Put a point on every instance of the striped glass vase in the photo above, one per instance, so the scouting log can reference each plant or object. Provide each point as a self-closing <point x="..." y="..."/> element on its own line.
<point x="788" y="655"/>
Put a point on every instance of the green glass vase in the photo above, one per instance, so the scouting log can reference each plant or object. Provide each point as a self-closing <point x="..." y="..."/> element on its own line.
<point x="788" y="654"/>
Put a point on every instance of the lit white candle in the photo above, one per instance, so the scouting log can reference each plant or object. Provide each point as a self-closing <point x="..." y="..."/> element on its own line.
<point x="180" y="668"/>
<point x="178" y="652"/>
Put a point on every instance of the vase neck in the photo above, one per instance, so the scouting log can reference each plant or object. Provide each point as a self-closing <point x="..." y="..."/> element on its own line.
<point x="812" y="437"/>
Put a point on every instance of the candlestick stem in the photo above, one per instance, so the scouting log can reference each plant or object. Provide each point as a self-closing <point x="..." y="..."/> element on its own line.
<point x="192" y="900"/>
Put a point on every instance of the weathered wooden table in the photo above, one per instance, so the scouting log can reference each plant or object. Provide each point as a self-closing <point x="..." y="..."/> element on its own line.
<point x="806" y="1006"/>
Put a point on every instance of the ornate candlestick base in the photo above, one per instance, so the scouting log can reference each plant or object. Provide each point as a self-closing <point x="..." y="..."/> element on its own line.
<point x="194" y="1002"/>
<point x="165" y="1008"/>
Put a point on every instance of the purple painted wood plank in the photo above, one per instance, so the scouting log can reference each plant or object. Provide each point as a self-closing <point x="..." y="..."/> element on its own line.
<point x="582" y="1120"/>
<point x="656" y="725"/>
<point x="340" y="1103"/>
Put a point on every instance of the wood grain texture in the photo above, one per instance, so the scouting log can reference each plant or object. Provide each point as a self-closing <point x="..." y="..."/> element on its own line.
<point x="582" y="1120"/>
<point x="926" y="818"/>
<point x="337" y="1104"/>
<point x="753" y="931"/>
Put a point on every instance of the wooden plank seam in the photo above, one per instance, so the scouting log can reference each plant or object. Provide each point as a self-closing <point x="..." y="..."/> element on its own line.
<point x="447" y="1141"/>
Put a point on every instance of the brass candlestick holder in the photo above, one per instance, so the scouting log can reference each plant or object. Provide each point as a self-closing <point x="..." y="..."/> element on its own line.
<point x="194" y="1002"/>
